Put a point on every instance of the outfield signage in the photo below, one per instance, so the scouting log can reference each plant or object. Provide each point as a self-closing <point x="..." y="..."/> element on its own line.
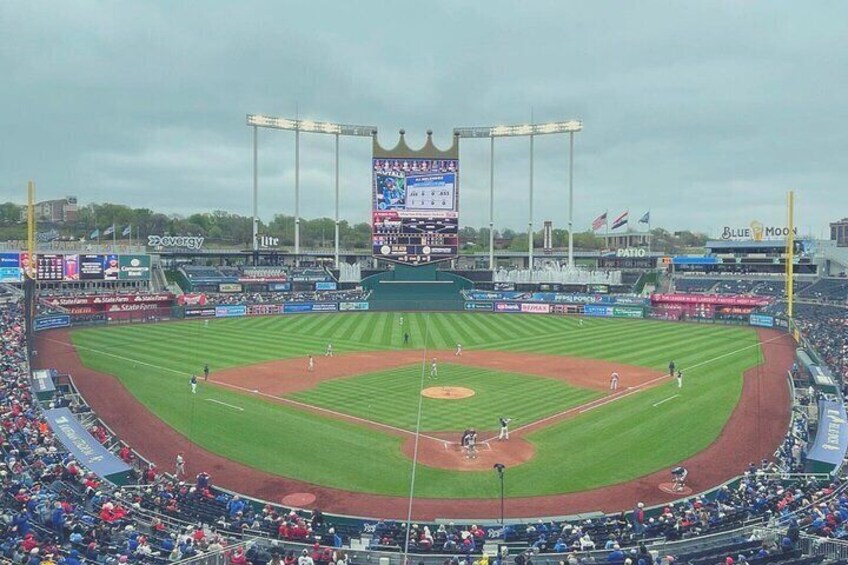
<point x="277" y="287"/>
<point x="185" y="241"/>
<point x="612" y="311"/>
<point x="831" y="442"/>
<point x="262" y="309"/>
<point x="110" y="299"/>
<point x="86" y="450"/>
<point x="229" y="287"/>
<point x="479" y="305"/>
<point x="535" y="308"/>
<point x="715" y="299"/>
<point x="326" y="285"/>
<point x="50" y="322"/>
<point x="353" y="306"/>
<point x="208" y="312"/>
<point x="507" y="307"/>
<point x="230" y="311"/>
<point x="301" y="307"/>
<point x="134" y="267"/>
<point x="559" y="297"/>
<point x="761" y="320"/>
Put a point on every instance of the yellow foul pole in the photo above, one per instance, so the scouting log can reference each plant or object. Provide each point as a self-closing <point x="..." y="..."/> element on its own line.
<point x="31" y="229"/>
<point x="790" y="255"/>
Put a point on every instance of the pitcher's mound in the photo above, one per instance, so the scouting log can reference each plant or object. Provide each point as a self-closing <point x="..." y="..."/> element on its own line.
<point x="447" y="392"/>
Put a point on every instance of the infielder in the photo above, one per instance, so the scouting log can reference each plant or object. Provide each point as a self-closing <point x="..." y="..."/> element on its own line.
<point x="206" y="372"/>
<point x="458" y="350"/>
<point x="193" y="382"/>
<point x="614" y="382"/>
<point x="679" y="378"/>
<point x="310" y="366"/>
<point x="671" y="369"/>
<point x="504" y="428"/>
<point x="180" y="466"/>
<point x="329" y="352"/>
<point x="434" y="369"/>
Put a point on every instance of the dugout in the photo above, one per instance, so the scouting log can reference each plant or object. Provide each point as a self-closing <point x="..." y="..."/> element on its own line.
<point x="416" y="289"/>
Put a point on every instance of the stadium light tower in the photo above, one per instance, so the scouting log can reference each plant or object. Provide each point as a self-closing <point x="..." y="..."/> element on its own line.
<point x="526" y="130"/>
<point x="307" y="126"/>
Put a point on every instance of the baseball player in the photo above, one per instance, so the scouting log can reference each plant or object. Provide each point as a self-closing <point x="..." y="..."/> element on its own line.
<point x="679" y="378"/>
<point x="180" y="466"/>
<point x="193" y="382"/>
<point x="579" y="322"/>
<point x="406" y="338"/>
<point x="671" y="369"/>
<point x="614" y="381"/>
<point x="458" y="350"/>
<point x="400" y="321"/>
<point x="329" y="352"/>
<point x="205" y="323"/>
<point x="679" y="475"/>
<point x="434" y="369"/>
<point x="504" y="428"/>
<point x="206" y="372"/>
<point x="310" y="366"/>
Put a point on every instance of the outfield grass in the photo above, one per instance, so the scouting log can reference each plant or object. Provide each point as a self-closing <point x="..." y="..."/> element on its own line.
<point x="614" y="443"/>
<point x="391" y="397"/>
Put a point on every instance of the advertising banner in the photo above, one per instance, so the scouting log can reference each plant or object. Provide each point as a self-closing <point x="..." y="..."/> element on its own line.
<point x="207" y="312"/>
<point x="134" y="267"/>
<point x="51" y="321"/>
<point x="761" y="320"/>
<point x="535" y="308"/>
<point x="479" y="306"/>
<point x="10" y="268"/>
<point x="597" y="311"/>
<point x="72" y="267"/>
<point x="279" y="287"/>
<point x="85" y="449"/>
<point x="716" y="299"/>
<point x="325" y="307"/>
<point x="111" y="268"/>
<point x="11" y="275"/>
<point x="191" y="299"/>
<point x="831" y="442"/>
<point x="230" y="310"/>
<point x="262" y="309"/>
<point x="91" y="267"/>
<point x="507" y="307"/>
<point x="229" y="287"/>
<point x="622" y="312"/>
<point x="164" y="297"/>
<point x="297" y="308"/>
<point x="326" y="285"/>
<point x="353" y="306"/>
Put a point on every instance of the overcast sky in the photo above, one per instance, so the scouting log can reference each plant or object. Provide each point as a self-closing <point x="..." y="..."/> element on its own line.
<point x="705" y="113"/>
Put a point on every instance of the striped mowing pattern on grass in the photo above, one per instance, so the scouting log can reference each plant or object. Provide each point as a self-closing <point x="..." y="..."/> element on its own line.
<point x="391" y="397"/>
<point x="613" y="443"/>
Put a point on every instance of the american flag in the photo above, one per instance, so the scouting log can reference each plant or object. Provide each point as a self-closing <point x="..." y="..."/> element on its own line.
<point x="599" y="221"/>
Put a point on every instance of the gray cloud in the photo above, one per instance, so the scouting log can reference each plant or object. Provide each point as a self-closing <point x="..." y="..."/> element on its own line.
<point x="705" y="113"/>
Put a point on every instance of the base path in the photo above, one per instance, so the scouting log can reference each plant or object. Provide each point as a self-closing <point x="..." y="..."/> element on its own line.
<point x="755" y="429"/>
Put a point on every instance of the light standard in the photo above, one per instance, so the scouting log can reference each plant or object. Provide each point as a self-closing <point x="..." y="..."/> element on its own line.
<point x="500" y="467"/>
<point x="524" y="130"/>
<point x="308" y="126"/>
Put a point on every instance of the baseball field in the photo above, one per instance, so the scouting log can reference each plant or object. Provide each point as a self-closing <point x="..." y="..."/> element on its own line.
<point x="347" y="424"/>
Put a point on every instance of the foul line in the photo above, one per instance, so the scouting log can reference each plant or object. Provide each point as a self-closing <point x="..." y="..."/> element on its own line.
<point x="340" y="415"/>
<point x="239" y="408"/>
<point x="655" y="404"/>
<point x="632" y="390"/>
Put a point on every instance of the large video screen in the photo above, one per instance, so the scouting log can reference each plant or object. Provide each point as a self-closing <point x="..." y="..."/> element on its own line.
<point x="415" y="210"/>
<point x="72" y="267"/>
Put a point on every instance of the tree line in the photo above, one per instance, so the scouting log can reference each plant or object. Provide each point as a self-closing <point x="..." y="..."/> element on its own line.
<point x="227" y="229"/>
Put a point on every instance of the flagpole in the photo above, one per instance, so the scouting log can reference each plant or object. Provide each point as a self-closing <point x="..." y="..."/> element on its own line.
<point x="114" y="235"/>
<point x="649" y="230"/>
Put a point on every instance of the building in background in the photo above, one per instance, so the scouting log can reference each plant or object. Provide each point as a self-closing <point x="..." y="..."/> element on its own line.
<point x="839" y="232"/>
<point x="61" y="210"/>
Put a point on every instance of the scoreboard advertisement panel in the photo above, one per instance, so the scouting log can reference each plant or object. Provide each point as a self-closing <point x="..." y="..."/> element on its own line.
<point x="72" y="267"/>
<point x="415" y="210"/>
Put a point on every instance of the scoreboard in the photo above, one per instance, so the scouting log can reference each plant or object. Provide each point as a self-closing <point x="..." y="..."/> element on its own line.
<point x="415" y="210"/>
